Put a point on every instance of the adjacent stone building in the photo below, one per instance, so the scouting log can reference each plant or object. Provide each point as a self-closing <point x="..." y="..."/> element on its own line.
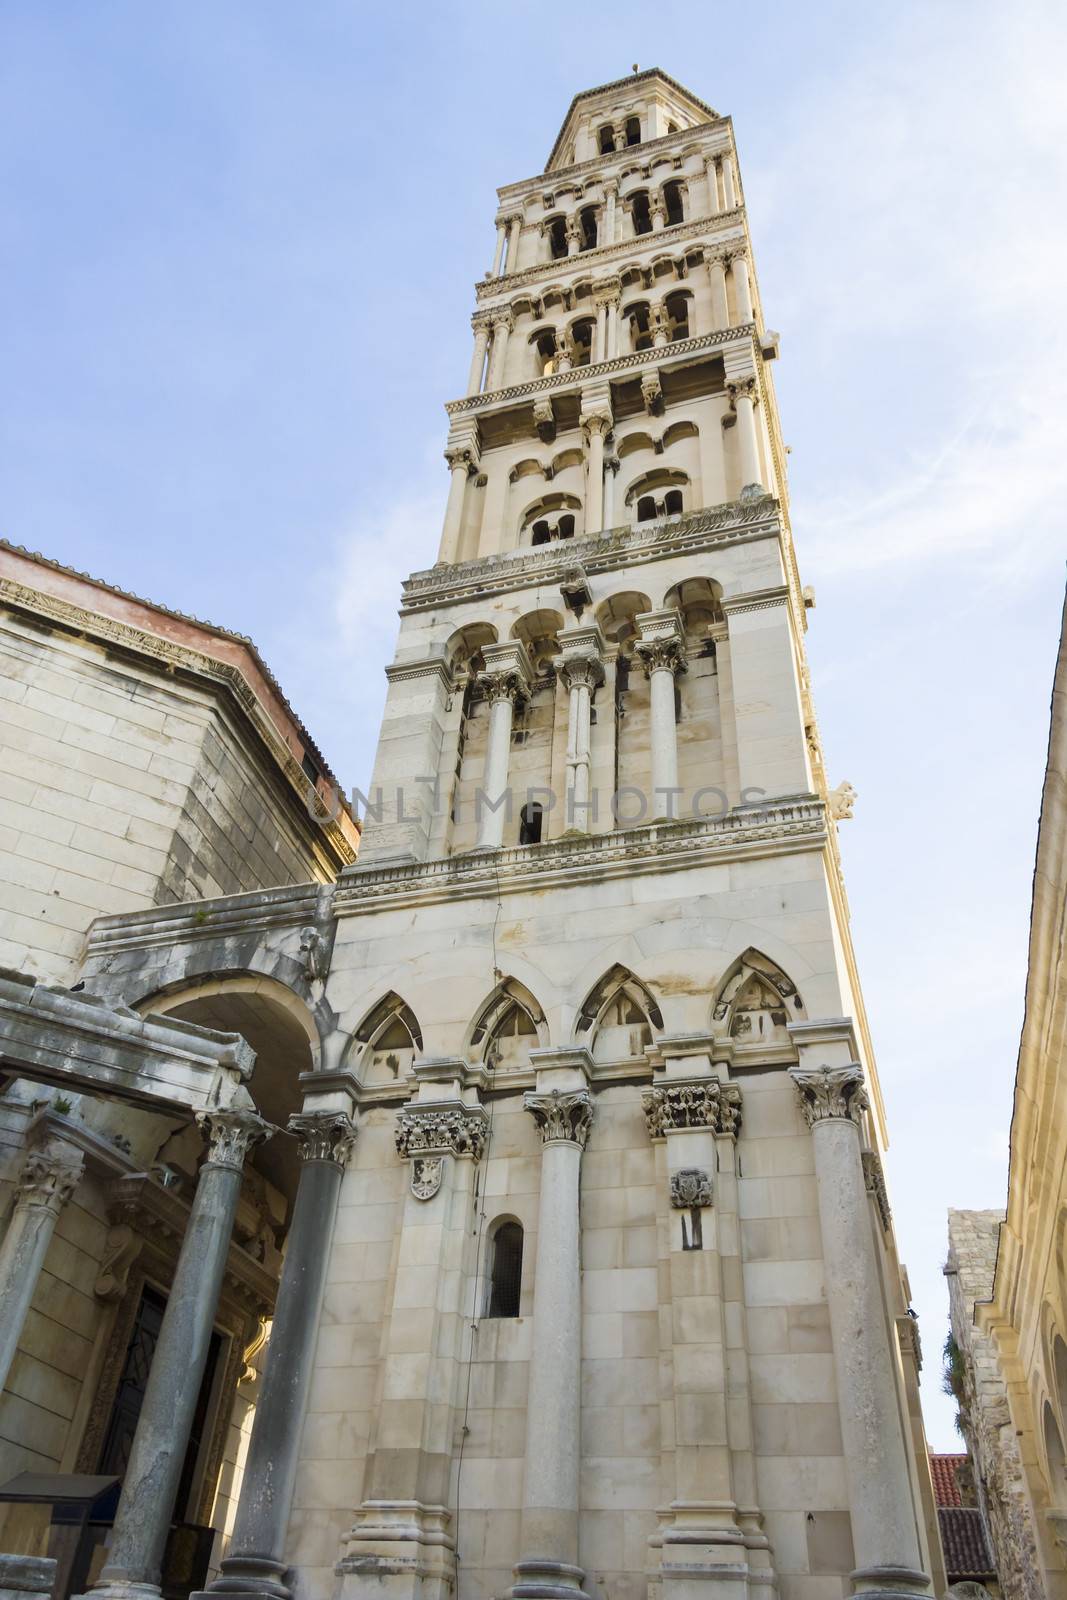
<point x="1007" y="1272"/>
<point x="590" y="1284"/>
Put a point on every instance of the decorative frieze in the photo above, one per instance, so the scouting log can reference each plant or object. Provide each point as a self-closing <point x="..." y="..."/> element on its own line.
<point x="827" y="1093"/>
<point x="562" y="1115"/>
<point x="451" y="1129"/>
<point x="703" y="1103"/>
<point x="324" y="1135"/>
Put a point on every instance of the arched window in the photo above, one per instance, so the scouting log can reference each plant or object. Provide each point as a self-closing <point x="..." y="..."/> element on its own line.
<point x="541" y="533"/>
<point x="565" y="527"/>
<point x="531" y="818"/>
<point x="582" y="343"/>
<point x="677" y="309"/>
<point x="641" y="214"/>
<point x="672" y="503"/>
<point x="557" y="238"/>
<point x="547" y="355"/>
<point x="633" y="130"/>
<point x="606" y="139"/>
<point x="505" y="1273"/>
<point x="672" y="199"/>
<point x="646" y="508"/>
<point x="587" y="218"/>
<point x="640" y="332"/>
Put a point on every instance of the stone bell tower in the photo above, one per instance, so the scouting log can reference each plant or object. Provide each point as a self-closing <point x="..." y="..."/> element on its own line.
<point x="639" y="1323"/>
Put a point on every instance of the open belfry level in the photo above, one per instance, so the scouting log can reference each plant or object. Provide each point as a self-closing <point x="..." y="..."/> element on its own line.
<point x="543" y="1141"/>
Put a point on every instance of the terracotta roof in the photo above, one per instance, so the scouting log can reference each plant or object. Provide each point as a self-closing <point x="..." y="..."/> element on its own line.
<point x="963" y="1539"/>
<point x="943" y="1470"/>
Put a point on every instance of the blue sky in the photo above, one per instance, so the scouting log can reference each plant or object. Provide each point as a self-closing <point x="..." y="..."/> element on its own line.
<point x="238" y="244"/>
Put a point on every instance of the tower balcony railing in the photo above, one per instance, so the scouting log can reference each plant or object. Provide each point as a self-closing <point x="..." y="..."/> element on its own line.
<point x="578" y="377"/>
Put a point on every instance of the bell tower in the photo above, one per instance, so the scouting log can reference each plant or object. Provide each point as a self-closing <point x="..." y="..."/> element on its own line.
<point x="643" y="1328"/>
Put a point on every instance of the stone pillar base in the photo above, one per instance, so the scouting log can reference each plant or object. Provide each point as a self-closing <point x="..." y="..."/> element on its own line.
<point x="890" y="1583"/>
<point x="249" y="1578"/>
<point x="404" y="1548"/>
<point x="24" y="1576"/>
<point x="697" y="1548"/>
<point x="547" y="1580"/>
<point x="121" y="1589"/>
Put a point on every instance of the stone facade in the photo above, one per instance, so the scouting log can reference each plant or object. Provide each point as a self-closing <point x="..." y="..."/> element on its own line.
<point x="1020" y="1339"/>
<point x="984" y="1413"/>
<point x="603" y="1299"/>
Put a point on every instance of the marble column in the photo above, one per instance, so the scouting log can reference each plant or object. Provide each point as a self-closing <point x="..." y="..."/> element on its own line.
<point x="596" y="425"/>
<point x="135" y="1552"/>
<point x="255" y="1564"/>
<point x="884" y="1532"/>
<point x="658" y="210"/>
<point x="742" y="394"/>
<point x="611" y="197"/>
<point x="611" y="472"/>
<point x="711" y="172"/>
<point x="514" y="230"/>
<point x="574" y="236"/>
<point x="502" y="326"/>
<point x="729" y="191"/>
<point x="481" y="344"/>
<point x="742" y="288"/>
<point x="498" y="258"/>
<point x="548" y="1568"/>
<point x="507" y="678"/>
<point x="661" y="647"/>
<point x="460" y="464"/>
<point x="720" y="305"/>
<point x="613" y="329"/>
<point x="600" y="343"/>
<point x="49" y="1176"/>
<point x="581" y="669"/>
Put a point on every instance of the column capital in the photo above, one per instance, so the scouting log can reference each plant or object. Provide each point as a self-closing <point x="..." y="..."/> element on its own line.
<point x="661" y="645"/>
<point x="462" y="457"/>
<point x="508" y="672"/>
<point x="874" y="1182"/>
<point x="561" y="1115"/>
<point x="482" y="319"/>
<point x="742" y="388"/>
<point x="608" y="292"/>
<point x="581" y="671"/>
<point x="49" y="1175"/>
<point x="451" y="1129"/>
<point x="324" y="1135"/>
<point x="503" y="317"/>
<point x="830" y="1093"/>
<point x="231" y="1133"/>
<point x="703" y="1103"/>
<point x="596" y="422"/>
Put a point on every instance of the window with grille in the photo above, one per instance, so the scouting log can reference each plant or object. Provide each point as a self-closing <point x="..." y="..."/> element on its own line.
<point x="505" y="1280"/>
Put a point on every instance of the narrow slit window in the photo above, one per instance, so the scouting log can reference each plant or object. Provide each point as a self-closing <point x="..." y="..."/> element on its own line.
<point x="505" y="1283"/>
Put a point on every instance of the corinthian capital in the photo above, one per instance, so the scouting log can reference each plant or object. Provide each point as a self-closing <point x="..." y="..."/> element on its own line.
<point x="324" y="1135"/>
<point x="231" y="1134"/>
<point x="706" y="1103"/>
<point x="742" y="389"/>
<point x="446" y="1130"/>
<point x="583" y="672"/>
<point x="49" y="1175"/>
<point x="561" y="1115"/>
<point x="830" y="1093"/>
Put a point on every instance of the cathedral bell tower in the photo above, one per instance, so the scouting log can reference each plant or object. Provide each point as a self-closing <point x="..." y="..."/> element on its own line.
<point x="639" y="1323"/>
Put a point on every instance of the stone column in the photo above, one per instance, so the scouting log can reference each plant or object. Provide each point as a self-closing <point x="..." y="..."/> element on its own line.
<point x="502" y="326"/>
<point x="596" y="424"/>
<point x="461" y="464"/>
<point x="574" y="236"/>
<point x="548" y="1564"/>
<point x="600" y="344"/>
<point x="711" y="172"/>
<point x="720" y="305"/>
<point x="498" y="258"/>
<point x="884" y="1530"/>
<point x="743" y="397"/>
<point x="611" y="472"/>
<point x="49" y="1176"/>
<point x="742" y="288"/>
<point x="481" y="344"/>
<point x="613" y="329"/>
<point x="662" y="649"/>
<point x="135" y="1553"/>
<point x="581" y="669"/>
<point x="611" y="197"/>
<point x="254" y="1564"/>
<point x="507" y="678"/>
<point x="402" y="1544"/>
<point x="729" y="191"/>
<point x="514" y="230"/>
<point x="658" y="209"/>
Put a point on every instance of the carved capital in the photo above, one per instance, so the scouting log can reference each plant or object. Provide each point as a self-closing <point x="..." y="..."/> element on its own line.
<point x="830" y="1093"/>
<point x="690" y="1187"/>
<point x="231" y="1134"/>
<point x="504" y="318"/>
<point x="324" y="1135"/>
<point x="659" y="655"/>
<point x="505" y="684"/>
<point x="460" y="458"/>
<point x="581" y="671"/>
<point x="49" y="1175"/>
<point x="596" y="422"/>
<point x="652" y="393"/>
<point x="706" y="1103"/>
<point x="562" y="1116"/>
<point x="742" y="389"/>
<point x="453" y="1129"/>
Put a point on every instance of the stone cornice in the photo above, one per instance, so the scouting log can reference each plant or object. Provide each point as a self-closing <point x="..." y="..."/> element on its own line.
<point x="678" y="233"/>
<point x="578" y="377"/>
<point x="173" y="657"/>
<point x="298" y="906"/>
<point x="781" y="826"/>
<point x="630" y="545"/>
<point x="429" y="667"/>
